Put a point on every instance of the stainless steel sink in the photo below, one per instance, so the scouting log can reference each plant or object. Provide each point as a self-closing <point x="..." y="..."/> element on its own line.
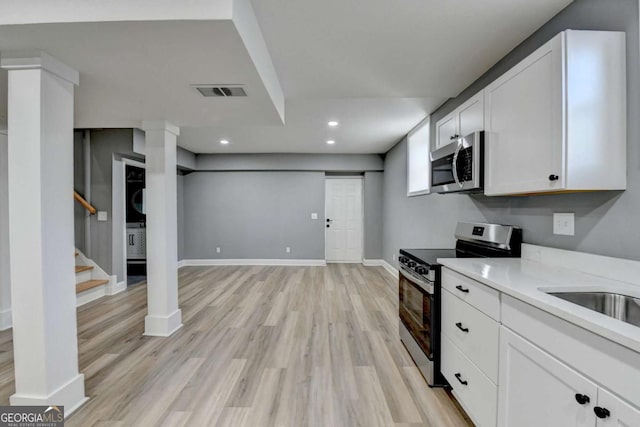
<point x="621" y="307"/>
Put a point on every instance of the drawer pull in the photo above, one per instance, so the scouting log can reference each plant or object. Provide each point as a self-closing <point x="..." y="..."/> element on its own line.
<point x="461" y="289"/>
<point x="601" y="412"/>
<point x="463" y="329"/>
<point x="582" y="399"/>
<point x="459" y="378"/>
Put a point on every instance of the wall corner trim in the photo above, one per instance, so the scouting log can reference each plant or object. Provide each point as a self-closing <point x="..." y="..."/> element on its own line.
<point x="390" y="269"/>
<point x="5" y="319"/>
<point x="373" y="262"/>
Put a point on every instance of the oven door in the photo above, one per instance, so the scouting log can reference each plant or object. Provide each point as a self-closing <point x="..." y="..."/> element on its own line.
<point x="417" y="304"/>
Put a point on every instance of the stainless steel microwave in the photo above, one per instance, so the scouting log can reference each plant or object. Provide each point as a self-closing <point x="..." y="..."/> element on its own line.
<point x="458" y="166"/>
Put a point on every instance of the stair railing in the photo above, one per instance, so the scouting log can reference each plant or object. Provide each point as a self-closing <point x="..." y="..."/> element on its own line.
<point x="84" y="203"/>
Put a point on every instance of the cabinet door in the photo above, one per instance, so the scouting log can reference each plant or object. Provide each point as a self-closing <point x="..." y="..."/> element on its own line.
<point x="471" y="115"/>
<point x="524" y="134"/>
<point x="446" y="128"/>
<point x="621" y="414"/>
<point x="539" y="390"/>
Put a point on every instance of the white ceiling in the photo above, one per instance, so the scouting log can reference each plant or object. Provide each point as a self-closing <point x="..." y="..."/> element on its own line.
<point x="378" y="67"/>
<point x="367" y="125"/>
<point x="134" y="71"/>
<point x="386" y="48"/>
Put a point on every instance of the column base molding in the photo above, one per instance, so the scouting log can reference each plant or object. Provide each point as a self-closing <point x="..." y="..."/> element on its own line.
<point x="70" y="395"/>
<point x="162" y="326"/>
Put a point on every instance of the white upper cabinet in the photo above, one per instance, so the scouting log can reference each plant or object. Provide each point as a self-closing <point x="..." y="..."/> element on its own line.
<point x="445" y="130"/>
<point x="557" y="121"/>
<point x="466" y="119"/>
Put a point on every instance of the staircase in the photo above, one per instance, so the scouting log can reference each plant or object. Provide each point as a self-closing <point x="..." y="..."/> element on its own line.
<point x="91" y="282"/>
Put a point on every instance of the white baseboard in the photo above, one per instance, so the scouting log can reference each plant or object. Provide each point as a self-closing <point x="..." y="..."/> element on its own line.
<point x="115" y="287"/>
<point x="283" y="262"/>
<point x="373" y="262"/>
<point x="162" y="326"/>
<point x="70" y="395"/>
<point x="391" y="269"/>
<point x="6" y="321"/>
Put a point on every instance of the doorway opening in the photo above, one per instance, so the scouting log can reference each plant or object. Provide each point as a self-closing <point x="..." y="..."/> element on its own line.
<point x="344" y="236"/>
<point x="136" y="220"/>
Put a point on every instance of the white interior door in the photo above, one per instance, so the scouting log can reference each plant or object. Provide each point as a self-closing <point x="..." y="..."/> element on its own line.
<point x="343" y="220"/>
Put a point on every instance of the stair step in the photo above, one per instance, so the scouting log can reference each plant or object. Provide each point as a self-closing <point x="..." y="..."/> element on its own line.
<point x="89" y="284"/>
<point x="81" y="268"/>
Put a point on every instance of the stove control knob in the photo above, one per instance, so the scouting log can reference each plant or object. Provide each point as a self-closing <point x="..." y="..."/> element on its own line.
<point x="402" y="259"/>
<point x="411" y="264"/>
<point x="421" y="270"/>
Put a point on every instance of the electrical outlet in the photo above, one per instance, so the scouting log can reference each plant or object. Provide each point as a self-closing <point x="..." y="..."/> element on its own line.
<point x="218" y="250"/>
<point x="393" y="256"/>
<point x="564" y="224"/>
<point x="103" y="216"/>
<point x="288" y="250"/>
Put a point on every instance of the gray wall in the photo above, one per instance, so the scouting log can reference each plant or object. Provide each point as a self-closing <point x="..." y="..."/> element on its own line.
<point x="373" y="215"/>
<point x="308" y="162"/>
<point x="104" y="145"/>
<point x="253" y="215"/>
<point x="427" y="221"/>
<point x="603" y="218"/>
<point x="79" y="212"/>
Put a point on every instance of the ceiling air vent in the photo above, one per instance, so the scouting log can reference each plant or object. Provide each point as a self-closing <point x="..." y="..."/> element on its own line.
<point x="223" y="91"/>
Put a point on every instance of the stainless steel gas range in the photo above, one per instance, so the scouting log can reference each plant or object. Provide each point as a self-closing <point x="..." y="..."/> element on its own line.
<point x="420" y="291"/>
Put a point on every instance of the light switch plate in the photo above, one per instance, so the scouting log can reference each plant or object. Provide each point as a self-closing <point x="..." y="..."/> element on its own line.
<point x="102" y="216"/>
<point x="564" y="224"/>
<point x="314" y="215"/>
<point x="218" y="250"/>
<point x="288" y="249"/>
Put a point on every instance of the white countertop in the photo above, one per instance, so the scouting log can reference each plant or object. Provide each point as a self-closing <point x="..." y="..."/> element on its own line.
<point x="528" y="280"/>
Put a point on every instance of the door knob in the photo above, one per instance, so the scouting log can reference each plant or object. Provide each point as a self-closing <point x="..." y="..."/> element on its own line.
<point x="553" y="177"/>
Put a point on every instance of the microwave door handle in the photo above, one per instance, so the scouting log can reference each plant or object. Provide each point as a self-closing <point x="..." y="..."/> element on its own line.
<point x="455" y="164"/>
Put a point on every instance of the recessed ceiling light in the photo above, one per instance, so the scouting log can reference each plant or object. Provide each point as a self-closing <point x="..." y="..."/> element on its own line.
<point x="333" y="123"/>
<point x="224" y="142"/>
<point x="331" y="142"/>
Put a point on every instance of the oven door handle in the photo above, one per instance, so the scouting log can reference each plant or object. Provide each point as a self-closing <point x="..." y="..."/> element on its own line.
<point x="455" y="164"/>
<point x="422" y="284"/>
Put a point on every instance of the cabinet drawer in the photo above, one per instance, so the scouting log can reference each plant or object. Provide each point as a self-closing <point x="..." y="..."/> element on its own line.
<point x="479" y="396"/>
<point x="476" y="334"/>
<point x="482" y="297"/>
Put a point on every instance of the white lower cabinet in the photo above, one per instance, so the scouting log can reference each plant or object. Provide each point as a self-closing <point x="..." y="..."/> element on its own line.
<point x="617" y="413"/>
<point x="513" y="365"/>
<point x="537" y="389"/>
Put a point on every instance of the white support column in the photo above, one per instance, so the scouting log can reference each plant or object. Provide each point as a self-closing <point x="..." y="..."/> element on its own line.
<point x="40" y="133"/>
<point x="5" y="279"/>
<point x="164" y="316"/>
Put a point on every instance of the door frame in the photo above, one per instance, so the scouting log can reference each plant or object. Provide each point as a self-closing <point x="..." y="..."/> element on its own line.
<point x="120" y="197"/>
<point x="358" y="177"/>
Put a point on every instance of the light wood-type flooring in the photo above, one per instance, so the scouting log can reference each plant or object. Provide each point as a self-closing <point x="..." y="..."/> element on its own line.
<point x="260" y="346"/>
